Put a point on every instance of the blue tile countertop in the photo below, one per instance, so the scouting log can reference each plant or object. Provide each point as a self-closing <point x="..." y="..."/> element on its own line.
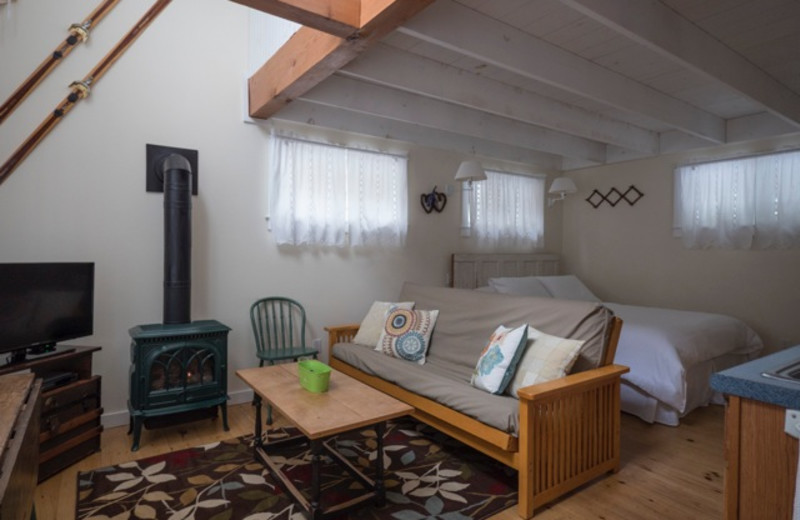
<point x="745" y="380"/>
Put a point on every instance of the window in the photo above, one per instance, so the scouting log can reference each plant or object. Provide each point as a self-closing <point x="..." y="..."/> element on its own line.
<point x="509" y="209"/>
<point x="746" y="203"/>
<point x="334" y="196"/>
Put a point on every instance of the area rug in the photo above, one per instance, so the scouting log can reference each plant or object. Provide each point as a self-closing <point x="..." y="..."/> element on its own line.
<point x="428" y="475"/>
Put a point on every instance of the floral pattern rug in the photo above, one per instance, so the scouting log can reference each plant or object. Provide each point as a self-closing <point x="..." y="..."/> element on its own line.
<point x="427" y="475"/>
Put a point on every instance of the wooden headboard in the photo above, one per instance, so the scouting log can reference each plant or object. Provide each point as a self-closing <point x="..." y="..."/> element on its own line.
<point x="471" y="270"/>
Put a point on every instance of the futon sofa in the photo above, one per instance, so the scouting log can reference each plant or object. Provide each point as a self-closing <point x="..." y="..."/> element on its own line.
<point x="558" y="435"/>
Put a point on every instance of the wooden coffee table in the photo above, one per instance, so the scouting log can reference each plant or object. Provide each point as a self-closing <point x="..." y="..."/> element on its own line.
<point x="347" y="405"/>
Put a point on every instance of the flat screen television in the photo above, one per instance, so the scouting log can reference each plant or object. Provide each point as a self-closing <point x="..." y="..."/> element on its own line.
<point x="42" y="304"/>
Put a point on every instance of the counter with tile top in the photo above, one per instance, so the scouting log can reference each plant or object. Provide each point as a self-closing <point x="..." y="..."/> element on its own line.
<point x="746" y="381"/>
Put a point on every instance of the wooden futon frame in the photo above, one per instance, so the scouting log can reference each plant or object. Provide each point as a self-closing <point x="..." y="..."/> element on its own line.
<point x="569" y="428"/>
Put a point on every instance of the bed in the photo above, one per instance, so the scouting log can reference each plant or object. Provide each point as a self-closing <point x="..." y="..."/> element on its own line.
<point x="671" y="353"/>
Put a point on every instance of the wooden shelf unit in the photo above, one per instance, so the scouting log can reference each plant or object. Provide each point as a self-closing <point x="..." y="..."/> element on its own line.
<point x="70" y="413"/>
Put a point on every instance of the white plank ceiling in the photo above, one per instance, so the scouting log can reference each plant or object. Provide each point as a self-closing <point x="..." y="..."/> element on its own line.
<point x="565" y="84"/>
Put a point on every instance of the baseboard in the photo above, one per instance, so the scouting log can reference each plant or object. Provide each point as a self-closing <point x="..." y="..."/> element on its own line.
<point x="122" y="417"/>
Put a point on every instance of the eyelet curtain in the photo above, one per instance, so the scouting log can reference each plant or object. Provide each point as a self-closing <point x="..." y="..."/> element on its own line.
<point x="749" y="203"/>
<point x="329" y="195"/>
<point x="378" y="187"/>
<point x="509" y="209"/>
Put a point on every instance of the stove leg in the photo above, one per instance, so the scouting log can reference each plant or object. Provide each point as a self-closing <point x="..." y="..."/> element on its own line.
<point x="137" y="432"/>
<point x="224" y="409"/>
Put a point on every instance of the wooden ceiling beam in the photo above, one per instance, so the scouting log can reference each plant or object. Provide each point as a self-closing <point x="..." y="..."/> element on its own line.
<point x="357" y="122"/>
<point x="311" y="55"/>
<point x="389" y="103"/>
<point x="458" y="28"/>
<point x="339" y="17"/>
<point x="413" y="73"/>
<point x="660" y="28"/>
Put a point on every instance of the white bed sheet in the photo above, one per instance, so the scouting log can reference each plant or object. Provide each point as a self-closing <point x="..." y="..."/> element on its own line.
<point x="672" y="354"/>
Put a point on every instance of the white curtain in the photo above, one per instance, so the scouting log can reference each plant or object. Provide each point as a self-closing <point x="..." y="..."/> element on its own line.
<point x="509" y="209"/>
<point x="334" y="196"/>
<point x="378" y="187"/>
<point x="740" y="203"/>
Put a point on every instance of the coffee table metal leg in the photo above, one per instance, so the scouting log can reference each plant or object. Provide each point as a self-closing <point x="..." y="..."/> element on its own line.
<point x="257" y="403"/>
<point x="316" y="459"/>
<point x="380" y="491"/>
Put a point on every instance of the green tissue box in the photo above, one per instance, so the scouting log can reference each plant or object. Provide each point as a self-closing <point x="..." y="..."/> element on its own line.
<point x="314" y="375"/>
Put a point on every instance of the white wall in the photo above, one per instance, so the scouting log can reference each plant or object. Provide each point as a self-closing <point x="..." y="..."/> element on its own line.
<point x="80" y="196"/>
<point x="627" y="254"/>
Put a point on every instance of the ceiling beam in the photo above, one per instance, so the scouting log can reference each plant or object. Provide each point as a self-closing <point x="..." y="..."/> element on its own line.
<point x="389" y="103"/>
<point x="338" y="17"/>
<point x="656" y="26"/>
<point x="410" y="72"/>
<point x="352" y="122"/>
<point x="311" y="55"/>
<point x="463" y="30"/>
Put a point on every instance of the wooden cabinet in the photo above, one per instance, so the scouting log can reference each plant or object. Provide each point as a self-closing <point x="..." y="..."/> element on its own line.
<point x="761" y="461"/>
<point x="70" y="409"/>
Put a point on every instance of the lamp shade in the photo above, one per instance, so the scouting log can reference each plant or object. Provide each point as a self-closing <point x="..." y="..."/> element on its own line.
<point x="470" y="171"/>
<point x="563" y="185"/>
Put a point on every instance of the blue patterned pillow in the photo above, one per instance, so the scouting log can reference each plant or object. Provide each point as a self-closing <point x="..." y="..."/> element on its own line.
<point x="499" y="359"/>
<point x="407" y="334"/>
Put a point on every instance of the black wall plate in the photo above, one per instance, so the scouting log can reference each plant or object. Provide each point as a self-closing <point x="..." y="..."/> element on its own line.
<point x="156" y="155"/>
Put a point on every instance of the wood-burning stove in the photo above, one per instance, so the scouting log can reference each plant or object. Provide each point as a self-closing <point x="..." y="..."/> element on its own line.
<point x="177" y="368"/>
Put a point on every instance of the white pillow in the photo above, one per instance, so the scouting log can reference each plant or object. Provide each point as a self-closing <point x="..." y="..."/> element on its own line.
<point x="499" y="359"/>
<point x="567" y="287"/>
<point x="523" y="285"/>
<point x="372" y="326"/>
<point x="545" y="358"/>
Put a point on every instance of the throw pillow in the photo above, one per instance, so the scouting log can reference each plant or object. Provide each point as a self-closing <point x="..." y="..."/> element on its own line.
<point x="407" y="334"/>
<point x="499" y="359"/>
<point x="370" y="330"/>
<point x="545" y="358"/>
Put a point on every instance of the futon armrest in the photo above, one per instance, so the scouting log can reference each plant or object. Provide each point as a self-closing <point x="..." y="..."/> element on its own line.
<point x="341" y="334"/>
<point x="571" y="384"/>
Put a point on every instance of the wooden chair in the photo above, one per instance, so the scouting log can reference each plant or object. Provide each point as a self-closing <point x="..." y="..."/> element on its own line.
<point x="279" y="327"/>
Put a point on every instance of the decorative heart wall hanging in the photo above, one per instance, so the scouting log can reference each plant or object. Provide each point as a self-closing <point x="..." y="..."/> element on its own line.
<point x="434" y="200"/>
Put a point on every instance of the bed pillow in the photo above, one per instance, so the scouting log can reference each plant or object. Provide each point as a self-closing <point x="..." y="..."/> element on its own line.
<point x="371" y="327"/>
<point x="407" y="334"/>
<point x="499" y="359"/>
<point x="567" y="287"/>
<point x="523" y="285"/>
<point x="545" y="358"/>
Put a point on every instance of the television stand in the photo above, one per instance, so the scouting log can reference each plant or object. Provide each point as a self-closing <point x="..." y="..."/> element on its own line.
<point x="37" y="354"/>
<point x="24" y="355"/>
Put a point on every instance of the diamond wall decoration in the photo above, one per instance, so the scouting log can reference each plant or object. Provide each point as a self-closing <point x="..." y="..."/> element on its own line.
<point x="614" y="196"/>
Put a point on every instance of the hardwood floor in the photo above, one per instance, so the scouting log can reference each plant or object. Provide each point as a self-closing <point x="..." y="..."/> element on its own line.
<point x="666" y="473"/>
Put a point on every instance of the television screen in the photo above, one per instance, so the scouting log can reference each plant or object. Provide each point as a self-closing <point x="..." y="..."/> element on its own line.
<point x="44" y="303"/>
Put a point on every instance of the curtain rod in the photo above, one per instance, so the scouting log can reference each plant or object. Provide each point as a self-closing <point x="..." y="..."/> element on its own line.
<point x="743" y="155"/>
<point x="519" y="174"/>
<point x="334" y="145"/>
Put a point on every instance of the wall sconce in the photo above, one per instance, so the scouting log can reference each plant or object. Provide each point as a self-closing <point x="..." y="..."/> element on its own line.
<point x="468" y="171"/>
<point x="561" y="187"/>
